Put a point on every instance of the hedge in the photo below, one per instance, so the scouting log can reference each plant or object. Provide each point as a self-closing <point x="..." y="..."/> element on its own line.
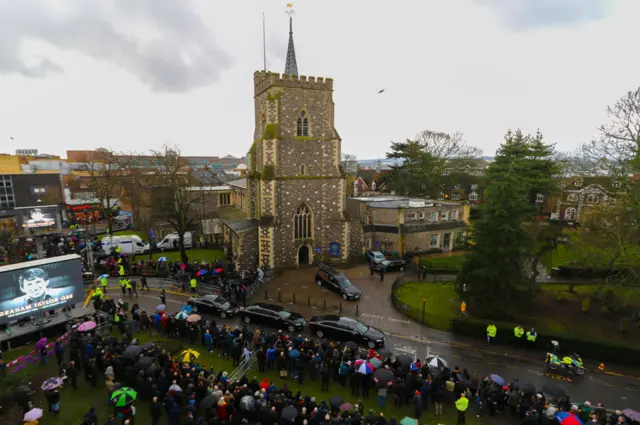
<point x="598" y="350"/>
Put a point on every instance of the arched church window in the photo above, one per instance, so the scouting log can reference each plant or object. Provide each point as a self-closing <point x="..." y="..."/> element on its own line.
<point x="302" y="222"/>
<point x="303" y="125"/>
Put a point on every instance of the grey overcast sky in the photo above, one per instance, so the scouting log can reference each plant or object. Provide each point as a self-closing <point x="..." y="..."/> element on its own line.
<point x="134" y="74"/>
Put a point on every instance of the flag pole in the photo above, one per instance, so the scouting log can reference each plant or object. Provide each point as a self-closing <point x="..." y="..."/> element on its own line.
<point x="264" y="43"/>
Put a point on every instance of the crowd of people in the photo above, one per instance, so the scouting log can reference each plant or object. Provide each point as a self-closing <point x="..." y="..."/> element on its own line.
<point x="185" y="392"/>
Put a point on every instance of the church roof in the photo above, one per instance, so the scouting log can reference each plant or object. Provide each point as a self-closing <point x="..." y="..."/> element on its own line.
<point x="291" y="67"/>
<point x="236" y="219"/>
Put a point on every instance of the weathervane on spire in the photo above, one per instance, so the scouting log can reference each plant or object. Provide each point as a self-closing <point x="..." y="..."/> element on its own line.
<point x="291" y="67"/>
<point x="290" y="10"/>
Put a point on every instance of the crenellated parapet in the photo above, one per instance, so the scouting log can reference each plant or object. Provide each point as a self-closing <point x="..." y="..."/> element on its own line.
<point x="264" y="80"/>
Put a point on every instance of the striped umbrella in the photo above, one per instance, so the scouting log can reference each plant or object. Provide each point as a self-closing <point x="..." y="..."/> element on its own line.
<point x="189" y="355"/>
<point x="123" y="396"/>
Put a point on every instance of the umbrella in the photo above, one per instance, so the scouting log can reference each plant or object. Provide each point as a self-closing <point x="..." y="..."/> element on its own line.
<point x="384" y="352"/>
<point x="403" y="359"/>
<point x="160" y="307"/>
<point x="201" y="272"/>
<point x="436" y="361"/>
<point x="187" y="308"/>
<point x="132" y="351"/>
<point x="364" y="367"/>
<point x="497" y="379"/>
<point x="294" y="354"/>
<point x="194" y="318"/>
<point x="123" y="396"/>
<point x="247" y="402"/>
<point x="528" y="388"/>
<point x="554" y="390"/>
<point x="383" y="377"/>
<point x="182" y="315"/>
<point x="207" y="403"/>
<point x="335" y="402"/>
<point x="148" y="346"/>
<point x="103" y="276"/>
<point x="631" y="414"/>
<point x="566" y="418"/>
<point x="176" y="388"/>
<point x="189" y="355"/>
<point x="289" y="413"/>
<point x="351" y="345"/>
<point x="408" y="421"/>
<point x="183" y="266"/>
<point x="51" y="383"/>
<point x="161" y="259"/>
<point x="41" y="343"/>
<point x="376" y="363"/>
<point x="463" y="378"/>
<point x="145" y="362"/>
<point x="32" y="415"/>
<point x="346" y="407"/>
<point x="87" y="326"/>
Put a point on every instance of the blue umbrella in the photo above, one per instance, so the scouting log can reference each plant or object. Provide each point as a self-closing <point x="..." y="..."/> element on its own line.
<point x="163" y="259"/>
<point x="294" y="354"/>
<point x="201" y="272"/>
<point x="187" y="308"/>
<point x="103" y="276"/>
<point x="497" y="379"/>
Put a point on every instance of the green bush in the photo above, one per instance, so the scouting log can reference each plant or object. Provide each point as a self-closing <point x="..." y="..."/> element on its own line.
<point x="622" y="353"/>
<point x="586" y="304"/>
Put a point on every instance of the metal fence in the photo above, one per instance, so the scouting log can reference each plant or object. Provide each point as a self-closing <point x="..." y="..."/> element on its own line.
<point x="322" y="306"/>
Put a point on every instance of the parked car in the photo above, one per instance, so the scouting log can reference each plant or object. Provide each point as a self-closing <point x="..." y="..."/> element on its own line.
<point x="338" y="282"/>
<point x="272" y="315"/>
<point x="215" y="305"/>
<point x="346" y="329"/>
<point x="374" y="256"/>
<point x="391" y="265"/>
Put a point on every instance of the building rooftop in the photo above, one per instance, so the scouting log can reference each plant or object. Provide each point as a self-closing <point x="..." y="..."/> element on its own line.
<point x="395" y="202"/>
<point x="241" y="183"/>
<point x="236" y="219"/>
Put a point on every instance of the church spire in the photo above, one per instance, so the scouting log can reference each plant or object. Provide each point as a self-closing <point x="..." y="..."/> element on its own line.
<point x="291" y="67"/>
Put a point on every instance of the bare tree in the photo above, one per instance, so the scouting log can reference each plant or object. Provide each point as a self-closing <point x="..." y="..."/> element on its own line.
<point x="349" y="163"/>
<point x="105" y="177"/>
<point x="576" y="163"/>
<point x="173" y="195"/>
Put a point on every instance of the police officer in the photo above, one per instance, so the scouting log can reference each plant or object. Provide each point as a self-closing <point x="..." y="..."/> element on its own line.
<point x="127" y="283"/>
<point x="532" y="335"/>
<point x="123" y="285"/>
<point x="103" y="283"/>
<point x="518" y="332"/>
<point x="491" y="332"/>
<point x="193" y="283"/>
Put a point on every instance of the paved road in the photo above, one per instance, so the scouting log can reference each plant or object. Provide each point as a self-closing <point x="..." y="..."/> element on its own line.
<point x="618" y="392"/>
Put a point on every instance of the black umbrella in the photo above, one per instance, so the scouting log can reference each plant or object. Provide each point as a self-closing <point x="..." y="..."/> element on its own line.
<point x="403" y="359"/>
<point x="145" y="362"/>
<point x="351" y="345"/>
<point x="289" y="413"/>
<point x="383" y="377"/>
<point x="528" y="388"/>
<point x="554" y="390"/>
<point x="132" y="351"/>
<point x="335" y="402"/>
<point x="207" y="403"/>
<point x="384" y="352"/>
<point x="148" y="346"/>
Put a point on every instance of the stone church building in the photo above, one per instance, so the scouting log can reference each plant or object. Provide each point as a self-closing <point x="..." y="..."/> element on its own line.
<point x="290" y="210"/>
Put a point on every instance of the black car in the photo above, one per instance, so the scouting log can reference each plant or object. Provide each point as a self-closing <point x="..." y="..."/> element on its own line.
<point x="215" y="305"/>
<point x="272" y="315"/>
<point x="391" y="265"/>
<point x="347" y="329"/>
<point x="336" y="281"/>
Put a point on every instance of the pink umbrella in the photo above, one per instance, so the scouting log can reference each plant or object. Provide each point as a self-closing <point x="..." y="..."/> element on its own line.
<point x="41" y="343"/>
<point x="87" y="326"/>
<point x="183" y="266"/>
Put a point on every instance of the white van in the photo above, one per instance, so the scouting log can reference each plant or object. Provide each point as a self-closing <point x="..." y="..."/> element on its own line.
<point x="129" y="244"/>
<point x="172" y="240"/>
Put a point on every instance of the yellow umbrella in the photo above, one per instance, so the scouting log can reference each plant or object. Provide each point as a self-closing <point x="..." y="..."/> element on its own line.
<point x="189" y="355"/>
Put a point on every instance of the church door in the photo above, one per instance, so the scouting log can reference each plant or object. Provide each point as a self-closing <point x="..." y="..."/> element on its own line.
<point x="303" y="255"/>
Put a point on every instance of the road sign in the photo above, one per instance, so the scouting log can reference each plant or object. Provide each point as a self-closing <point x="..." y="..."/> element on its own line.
<point x="152" y="233"/>
<point x="318" y="250"/>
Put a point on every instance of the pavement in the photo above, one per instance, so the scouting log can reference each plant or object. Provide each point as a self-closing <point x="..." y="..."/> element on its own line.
<point x="617" y="387"/>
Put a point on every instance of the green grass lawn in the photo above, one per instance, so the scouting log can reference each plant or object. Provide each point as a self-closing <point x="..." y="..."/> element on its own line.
<point x="193" y="254"/>
<point x="74" y="403"/>
<point x="452" y="262"/>
<point x="441" y="303"/>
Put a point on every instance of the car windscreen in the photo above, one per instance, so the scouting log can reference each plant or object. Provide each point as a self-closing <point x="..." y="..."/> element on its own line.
<point x="284" y="314"/>
<point x="361" y="328"/>
<point x="343" y="281"/>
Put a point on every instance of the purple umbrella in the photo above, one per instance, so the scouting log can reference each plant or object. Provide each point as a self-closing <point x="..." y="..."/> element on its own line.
<point x="631" y="414"/>
<point x="41" y="343"/>
<point x="87" y="326"/>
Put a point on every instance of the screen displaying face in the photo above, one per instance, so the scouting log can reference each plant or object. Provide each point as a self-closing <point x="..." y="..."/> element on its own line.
<point x="40" y="286"/>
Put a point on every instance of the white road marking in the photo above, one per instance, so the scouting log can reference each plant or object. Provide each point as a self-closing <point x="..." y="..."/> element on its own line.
<point x="304" y="287"/>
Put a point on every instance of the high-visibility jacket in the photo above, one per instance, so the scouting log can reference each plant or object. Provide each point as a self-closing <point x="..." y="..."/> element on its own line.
<point x="518" y="332"/>
<point x="193" y="283"/>
<point x="123" y="283"/>
<point x="127" y="283"/>
<point x="462" y="404"/>
<point x="121" y="271"/>
<point x="103" y="281"/>
<point x="531" y="336"/>
<point x="98" y="292"/>
<point x="116" y="318"/>
<point x="117" y="249"/>
<point x="492" y="330"/>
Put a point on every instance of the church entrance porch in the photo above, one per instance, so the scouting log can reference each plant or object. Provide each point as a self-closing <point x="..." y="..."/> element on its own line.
<point x="303" y="255"/>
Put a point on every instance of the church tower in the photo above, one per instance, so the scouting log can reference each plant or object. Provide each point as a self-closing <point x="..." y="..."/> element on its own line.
<point x="295" y="181"/>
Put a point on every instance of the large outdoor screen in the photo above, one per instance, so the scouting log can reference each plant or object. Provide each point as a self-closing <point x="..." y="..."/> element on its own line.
<point x="36" y="286"/>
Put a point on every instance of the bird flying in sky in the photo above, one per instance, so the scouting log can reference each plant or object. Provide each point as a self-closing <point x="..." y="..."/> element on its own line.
<point x="380" y="91"/>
